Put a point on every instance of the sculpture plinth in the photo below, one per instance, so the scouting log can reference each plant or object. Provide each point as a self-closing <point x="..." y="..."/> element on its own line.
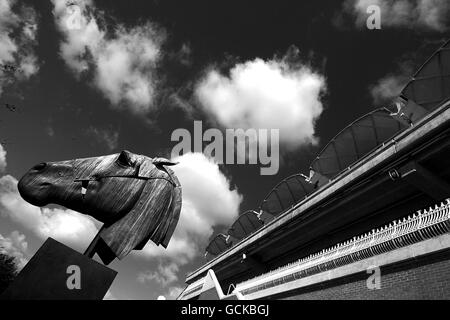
<point x="57" y="272"/>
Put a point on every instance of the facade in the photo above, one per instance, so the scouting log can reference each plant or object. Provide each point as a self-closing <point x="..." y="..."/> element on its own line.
<point x="370" y="221"/>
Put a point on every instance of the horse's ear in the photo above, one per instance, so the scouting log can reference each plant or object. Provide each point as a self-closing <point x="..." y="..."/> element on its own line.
<point x="125" y="158"/>
<point x="163" y="161"/>
<point x="146" y="167"/>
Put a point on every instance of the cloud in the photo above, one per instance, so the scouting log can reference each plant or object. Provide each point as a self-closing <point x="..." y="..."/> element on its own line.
<point x="411" y="14"/>
<point x="15" y="246"/>
<point x="179" y="102"/>
<point x="388" y="88"/>
<point x="107" y="137"/>
<point x="2" y="158"/>
<point x="165" y="274"/>
<point x="273" y="94"/>
<point x="174" y="292"/>
<point x="208" y="202"/>
<point x="18" y="29"/>
<point x="67" y="226"/>
<point x="121" y="64"/>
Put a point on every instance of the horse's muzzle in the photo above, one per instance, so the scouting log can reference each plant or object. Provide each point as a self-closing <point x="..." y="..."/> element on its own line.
<point x="32" y="189"/>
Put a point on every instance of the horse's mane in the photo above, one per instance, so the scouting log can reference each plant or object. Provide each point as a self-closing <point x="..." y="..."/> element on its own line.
<point x="154" y="217"/>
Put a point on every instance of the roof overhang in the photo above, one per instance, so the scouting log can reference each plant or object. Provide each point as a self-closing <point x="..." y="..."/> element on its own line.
<point x="384" y="158"/>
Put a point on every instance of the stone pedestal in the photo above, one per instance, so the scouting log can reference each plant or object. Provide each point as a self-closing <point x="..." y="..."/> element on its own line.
<point x="57" y="272"/>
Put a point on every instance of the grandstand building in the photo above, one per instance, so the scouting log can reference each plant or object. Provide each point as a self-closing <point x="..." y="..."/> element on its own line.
<point x="374" y="204"/>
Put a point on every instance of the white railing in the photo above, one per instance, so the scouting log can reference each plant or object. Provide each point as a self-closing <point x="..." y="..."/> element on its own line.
<point x="191" y="289"/>
<point x="418" y="227"/>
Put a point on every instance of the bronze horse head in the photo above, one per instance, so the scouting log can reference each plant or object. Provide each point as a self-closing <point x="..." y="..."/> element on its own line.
<point x="136" y="197"/>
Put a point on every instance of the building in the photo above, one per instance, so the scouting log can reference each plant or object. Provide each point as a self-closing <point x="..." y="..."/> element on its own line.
<point x="370" y="221"/>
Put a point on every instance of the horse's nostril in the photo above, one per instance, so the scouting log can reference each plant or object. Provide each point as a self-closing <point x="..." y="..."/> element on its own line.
<point x="40" y="166"/>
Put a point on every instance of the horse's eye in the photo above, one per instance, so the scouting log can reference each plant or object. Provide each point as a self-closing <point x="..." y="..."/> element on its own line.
<point x="124" y="159"/>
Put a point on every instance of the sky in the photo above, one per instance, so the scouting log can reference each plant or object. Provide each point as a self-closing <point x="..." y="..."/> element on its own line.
<point x="94" y="77"/>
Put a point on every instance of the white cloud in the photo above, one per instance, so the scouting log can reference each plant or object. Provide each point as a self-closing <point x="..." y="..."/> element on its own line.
<point x="411" y="14"/>
<point x="18" y="28"/>
<point x="174" y="292"/>
<point x="67" y="226"/>
<point x="107" y="137"/>
<point x="122" y="62"/>
<point x="272" y="94"/>
<point x="2" y="158"/>
<point x="165" y="274"/>
<point x="388" y="88"/>
<point x="15" y="246"/>
<point x="208" y="201"/>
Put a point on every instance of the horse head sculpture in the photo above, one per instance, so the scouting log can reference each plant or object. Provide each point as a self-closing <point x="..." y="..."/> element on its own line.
<point x="136" y="197"/>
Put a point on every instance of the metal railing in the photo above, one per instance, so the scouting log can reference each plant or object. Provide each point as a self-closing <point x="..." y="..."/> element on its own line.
<point x="420" y="226"/>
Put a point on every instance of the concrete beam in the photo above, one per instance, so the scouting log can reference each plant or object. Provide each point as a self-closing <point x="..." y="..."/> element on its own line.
<point x="254" y="263"/>
<point x="425" y="180"/>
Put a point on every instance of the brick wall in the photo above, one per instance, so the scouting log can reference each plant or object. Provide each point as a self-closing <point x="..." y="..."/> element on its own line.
<point x="424" y="278"/>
